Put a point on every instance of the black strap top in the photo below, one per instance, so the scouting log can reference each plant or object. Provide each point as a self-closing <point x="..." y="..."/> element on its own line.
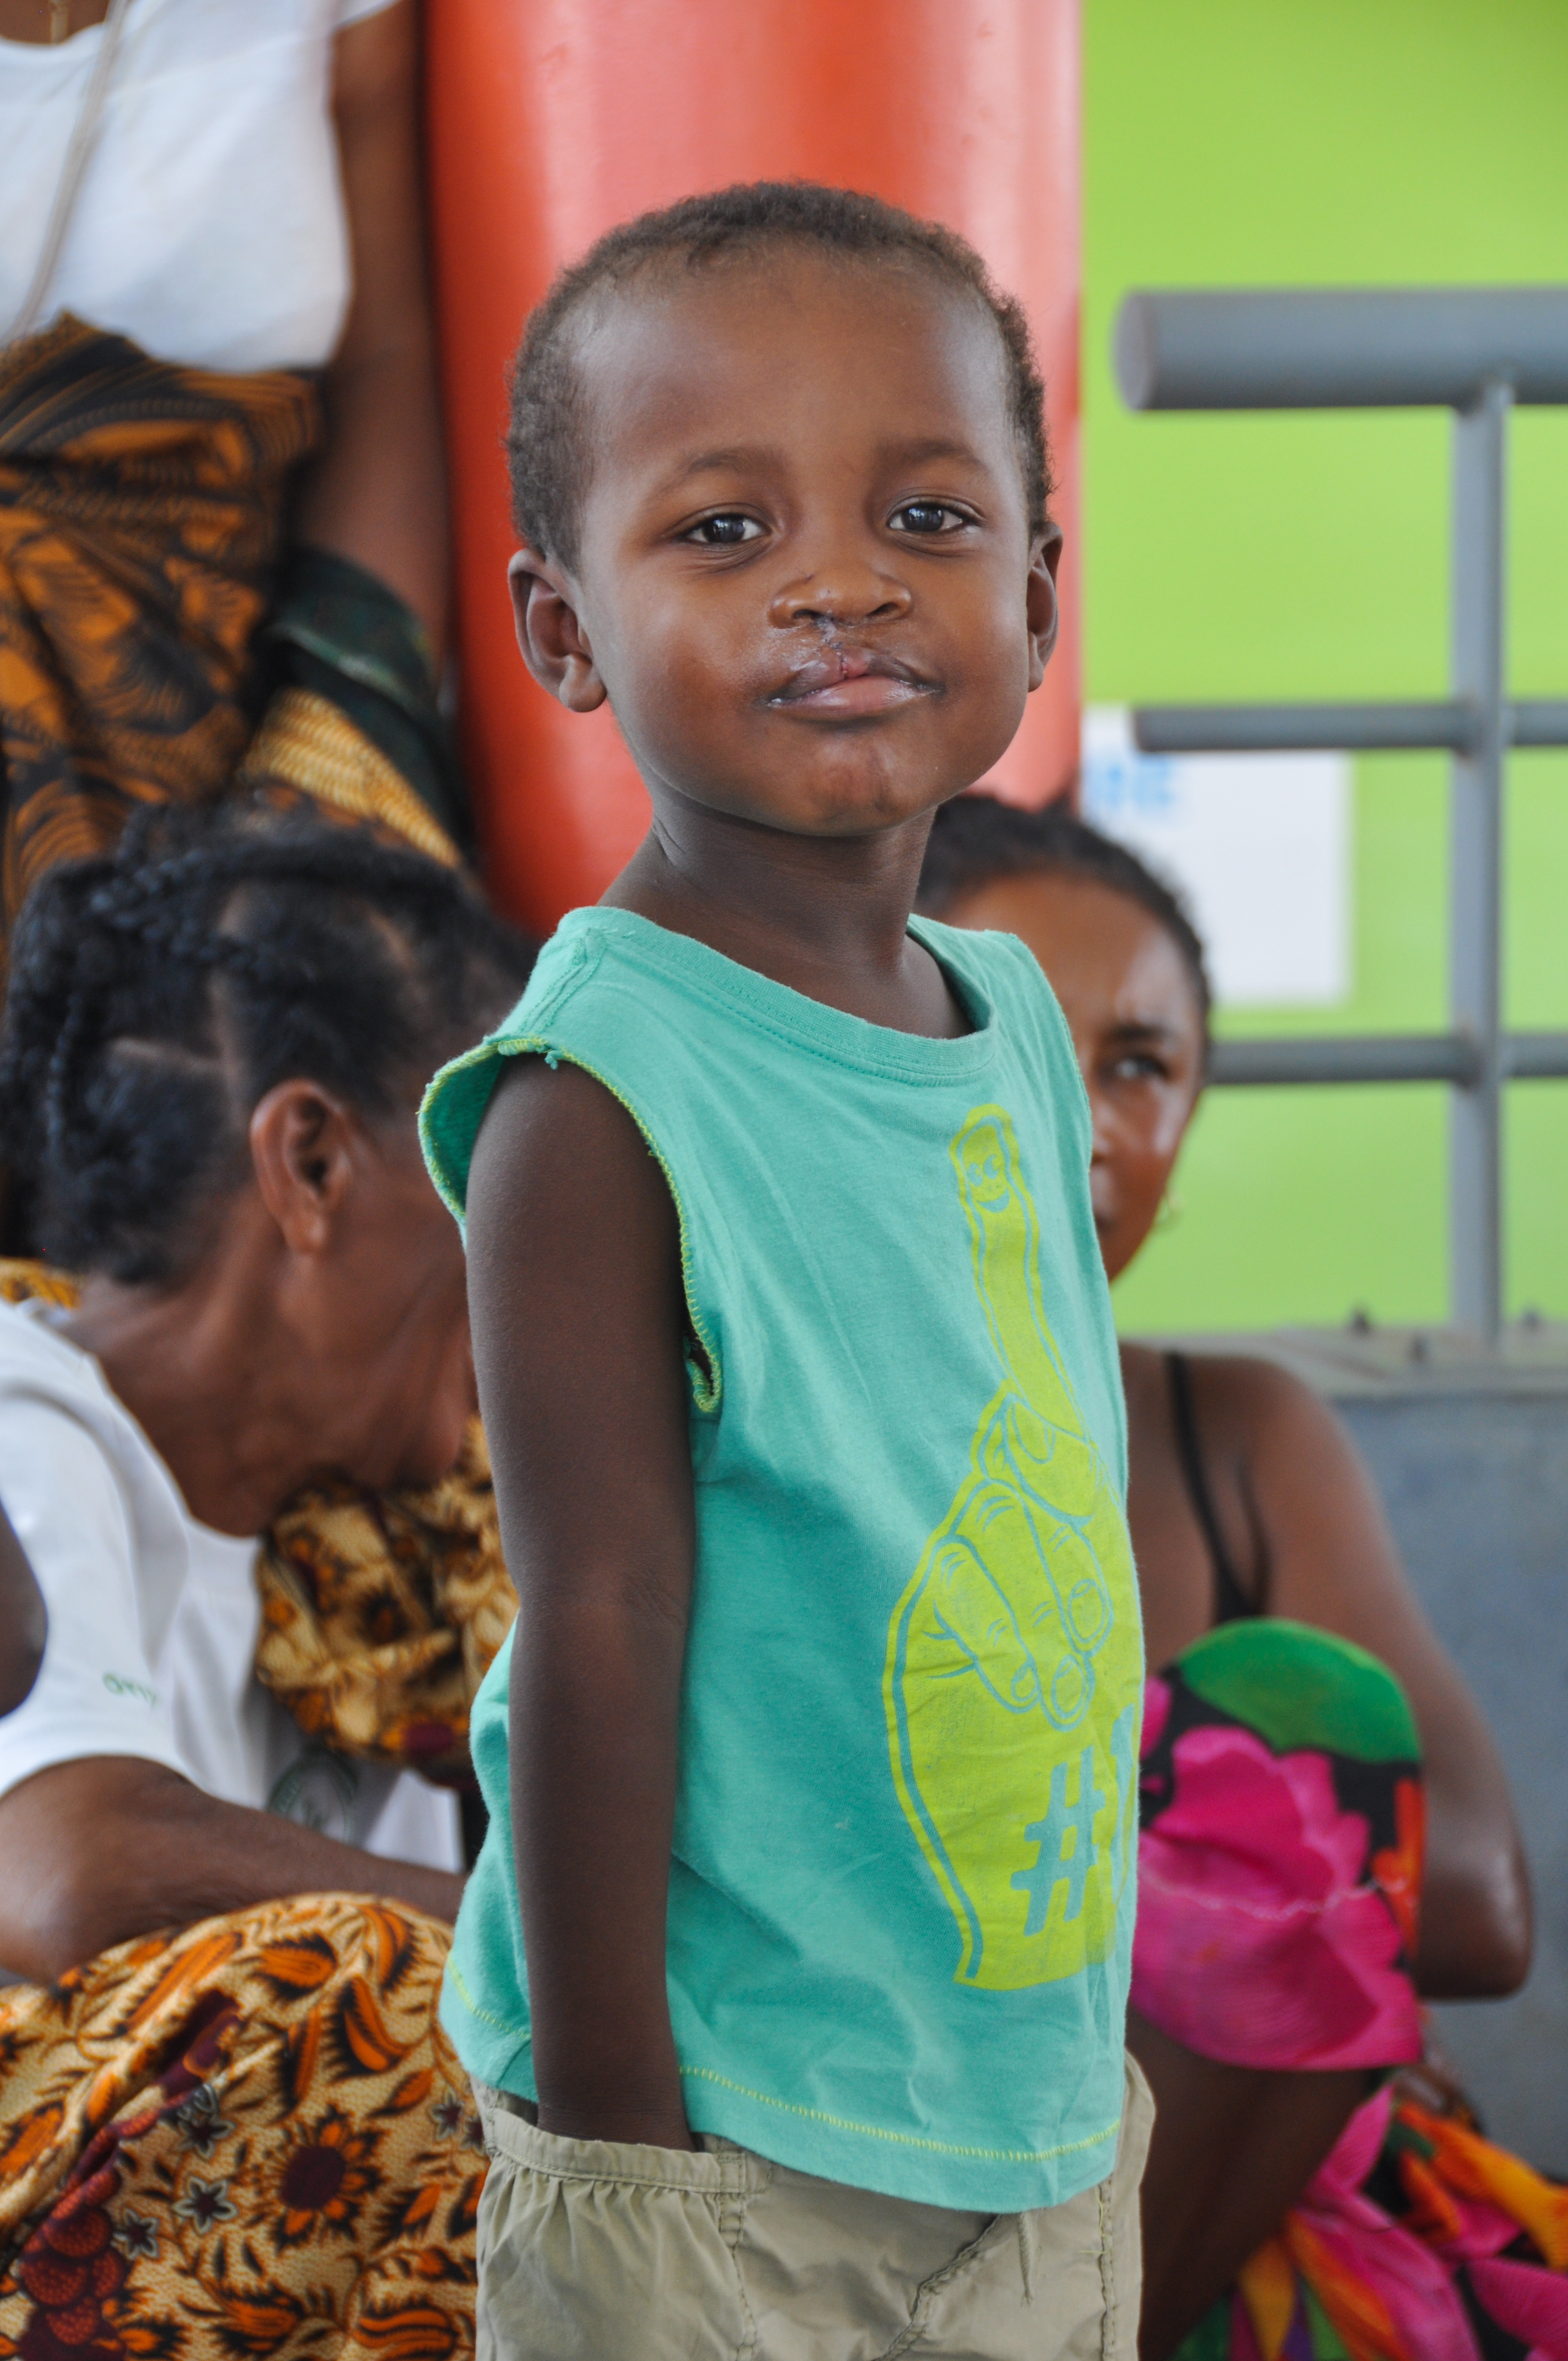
<point x="1232" y="1601"/>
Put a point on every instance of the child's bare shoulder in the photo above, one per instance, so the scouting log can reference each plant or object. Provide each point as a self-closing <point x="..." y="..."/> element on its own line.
<point x="569" y="1217"/>
<point x="556" y="1127"/>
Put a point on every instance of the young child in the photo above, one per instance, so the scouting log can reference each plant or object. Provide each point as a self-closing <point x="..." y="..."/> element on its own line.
<point x="792" y="1973"/>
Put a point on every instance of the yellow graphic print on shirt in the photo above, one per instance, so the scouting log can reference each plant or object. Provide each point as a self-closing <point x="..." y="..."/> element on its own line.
<point x="1015" y="1661"/>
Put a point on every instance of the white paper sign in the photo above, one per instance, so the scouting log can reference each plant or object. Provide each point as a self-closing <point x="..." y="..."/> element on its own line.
<point x="1259" y="845"/>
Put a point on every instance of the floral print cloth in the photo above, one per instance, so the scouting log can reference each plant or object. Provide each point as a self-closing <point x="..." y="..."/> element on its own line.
<point x="1279" y="1877"/>
<point x="381" y="1612"/>
<point x="249" y="2137"/>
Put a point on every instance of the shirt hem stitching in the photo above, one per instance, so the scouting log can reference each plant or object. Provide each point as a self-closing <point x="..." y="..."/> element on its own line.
<point x="706" y="1392"/>
<point x="820" y="2114"/>
<point x="906" y="2139"/>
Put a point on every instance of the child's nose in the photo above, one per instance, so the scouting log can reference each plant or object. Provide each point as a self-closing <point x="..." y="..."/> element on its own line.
<point x="842" y="588"/>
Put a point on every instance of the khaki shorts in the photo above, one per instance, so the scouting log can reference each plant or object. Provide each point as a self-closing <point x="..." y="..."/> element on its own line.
<point x="589" y="2251"/>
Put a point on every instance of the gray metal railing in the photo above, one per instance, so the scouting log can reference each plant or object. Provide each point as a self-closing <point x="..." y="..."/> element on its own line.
<point x="1478" y="352"/>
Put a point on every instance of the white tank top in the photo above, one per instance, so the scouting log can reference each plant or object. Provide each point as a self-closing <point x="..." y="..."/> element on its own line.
<point x="210" y="223"/>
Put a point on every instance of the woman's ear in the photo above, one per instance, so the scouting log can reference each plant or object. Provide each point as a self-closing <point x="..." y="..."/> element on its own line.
<point x="1041" y="606"/>
<point x="551" y="634"/>
<point x="303" y="1151"/>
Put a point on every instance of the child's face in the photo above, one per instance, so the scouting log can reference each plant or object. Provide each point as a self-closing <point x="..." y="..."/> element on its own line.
<point x="805" y="576"/>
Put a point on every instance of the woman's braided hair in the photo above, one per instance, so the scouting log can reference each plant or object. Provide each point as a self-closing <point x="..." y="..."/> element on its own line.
<point x="975" y="839"/>
<point x="159" y="992"/>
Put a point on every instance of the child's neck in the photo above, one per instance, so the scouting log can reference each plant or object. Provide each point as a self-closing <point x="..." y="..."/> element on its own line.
<point x="826" y="916"/>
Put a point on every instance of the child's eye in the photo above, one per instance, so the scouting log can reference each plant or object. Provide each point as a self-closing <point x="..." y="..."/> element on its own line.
<point x="927" y="517"/>
<point x="725" y="531"/>
<point x="1139" y="1066"/>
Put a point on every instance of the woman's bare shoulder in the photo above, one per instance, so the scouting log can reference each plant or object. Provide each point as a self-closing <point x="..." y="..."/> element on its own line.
<point x="1243" y="1400"/>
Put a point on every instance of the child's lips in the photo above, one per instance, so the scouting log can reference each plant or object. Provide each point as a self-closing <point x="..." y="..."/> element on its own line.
<point x="844" y="682"/>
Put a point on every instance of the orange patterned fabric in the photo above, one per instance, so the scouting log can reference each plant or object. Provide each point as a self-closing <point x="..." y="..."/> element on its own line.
<point x="1459" y="2163"/>
<point x="141" y="523"/>
<point x="308" y="742"/>
<point x="249" y="2137"/>
<point x="23" y="1282"/>
<point x="382" y="1612"/>
<point x="1349" y="2299"/>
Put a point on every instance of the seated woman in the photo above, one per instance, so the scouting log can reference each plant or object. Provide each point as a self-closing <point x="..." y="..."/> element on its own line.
<point x="228" y="2119"/>
<point x="222" y="489"/>
<point x="1277" y="1962"/>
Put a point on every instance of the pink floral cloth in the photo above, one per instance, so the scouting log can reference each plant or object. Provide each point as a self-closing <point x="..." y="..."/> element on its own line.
<point x="1279" y="1872"/>
<point x="1263" y="1939"/>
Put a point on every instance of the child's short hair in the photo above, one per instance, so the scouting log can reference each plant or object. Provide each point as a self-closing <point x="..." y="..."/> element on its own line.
<point x="547" y="445"/>
<point x="975" y="839"/>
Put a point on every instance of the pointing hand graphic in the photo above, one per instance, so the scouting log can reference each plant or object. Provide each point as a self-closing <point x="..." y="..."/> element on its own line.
<point x="1014" y="1664"/>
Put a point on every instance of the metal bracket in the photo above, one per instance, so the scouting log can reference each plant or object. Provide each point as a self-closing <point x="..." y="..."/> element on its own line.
<point x="1480" y="352"/>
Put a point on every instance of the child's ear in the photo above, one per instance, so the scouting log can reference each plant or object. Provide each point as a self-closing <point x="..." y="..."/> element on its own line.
<point x="550" y="633"/>
<point x="1042" y="608"/>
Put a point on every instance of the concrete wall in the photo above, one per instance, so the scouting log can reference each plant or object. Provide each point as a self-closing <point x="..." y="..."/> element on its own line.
<point x="1476" y="1485"/>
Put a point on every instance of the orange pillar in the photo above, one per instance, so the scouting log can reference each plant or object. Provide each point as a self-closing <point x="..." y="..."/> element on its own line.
<point x="550" y="120"/>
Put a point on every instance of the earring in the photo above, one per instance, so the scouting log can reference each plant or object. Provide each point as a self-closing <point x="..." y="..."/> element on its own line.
<point x="1170" y="1210"/>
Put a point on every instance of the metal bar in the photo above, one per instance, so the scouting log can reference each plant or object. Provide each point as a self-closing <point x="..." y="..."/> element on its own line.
<point x="1390" y="728"/>
<point x="1535" y="1057"/>
<point x="1345" y="1058"/>
<point x="1242" y="1063"/>
<point x="1331" y="348"/>
<point x="1540" y="721"/>
<point x="1475" y="1116"/>
<point x="1280" y="728"/>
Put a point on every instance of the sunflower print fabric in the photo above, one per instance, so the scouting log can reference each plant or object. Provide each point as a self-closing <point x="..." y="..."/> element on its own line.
<point x="142" y="521"/>
<point x="250" y="2137"/>
<point x="381" y="1612"/>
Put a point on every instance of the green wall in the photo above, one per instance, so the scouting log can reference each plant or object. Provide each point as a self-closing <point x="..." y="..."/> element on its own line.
<point x="1272" y="142"/>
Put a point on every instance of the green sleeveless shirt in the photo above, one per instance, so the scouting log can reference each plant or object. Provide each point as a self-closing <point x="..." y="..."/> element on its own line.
<point x="900" y="1897"/>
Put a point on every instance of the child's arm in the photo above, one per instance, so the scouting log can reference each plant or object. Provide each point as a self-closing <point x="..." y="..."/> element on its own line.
<point x="574" y="1286"/>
